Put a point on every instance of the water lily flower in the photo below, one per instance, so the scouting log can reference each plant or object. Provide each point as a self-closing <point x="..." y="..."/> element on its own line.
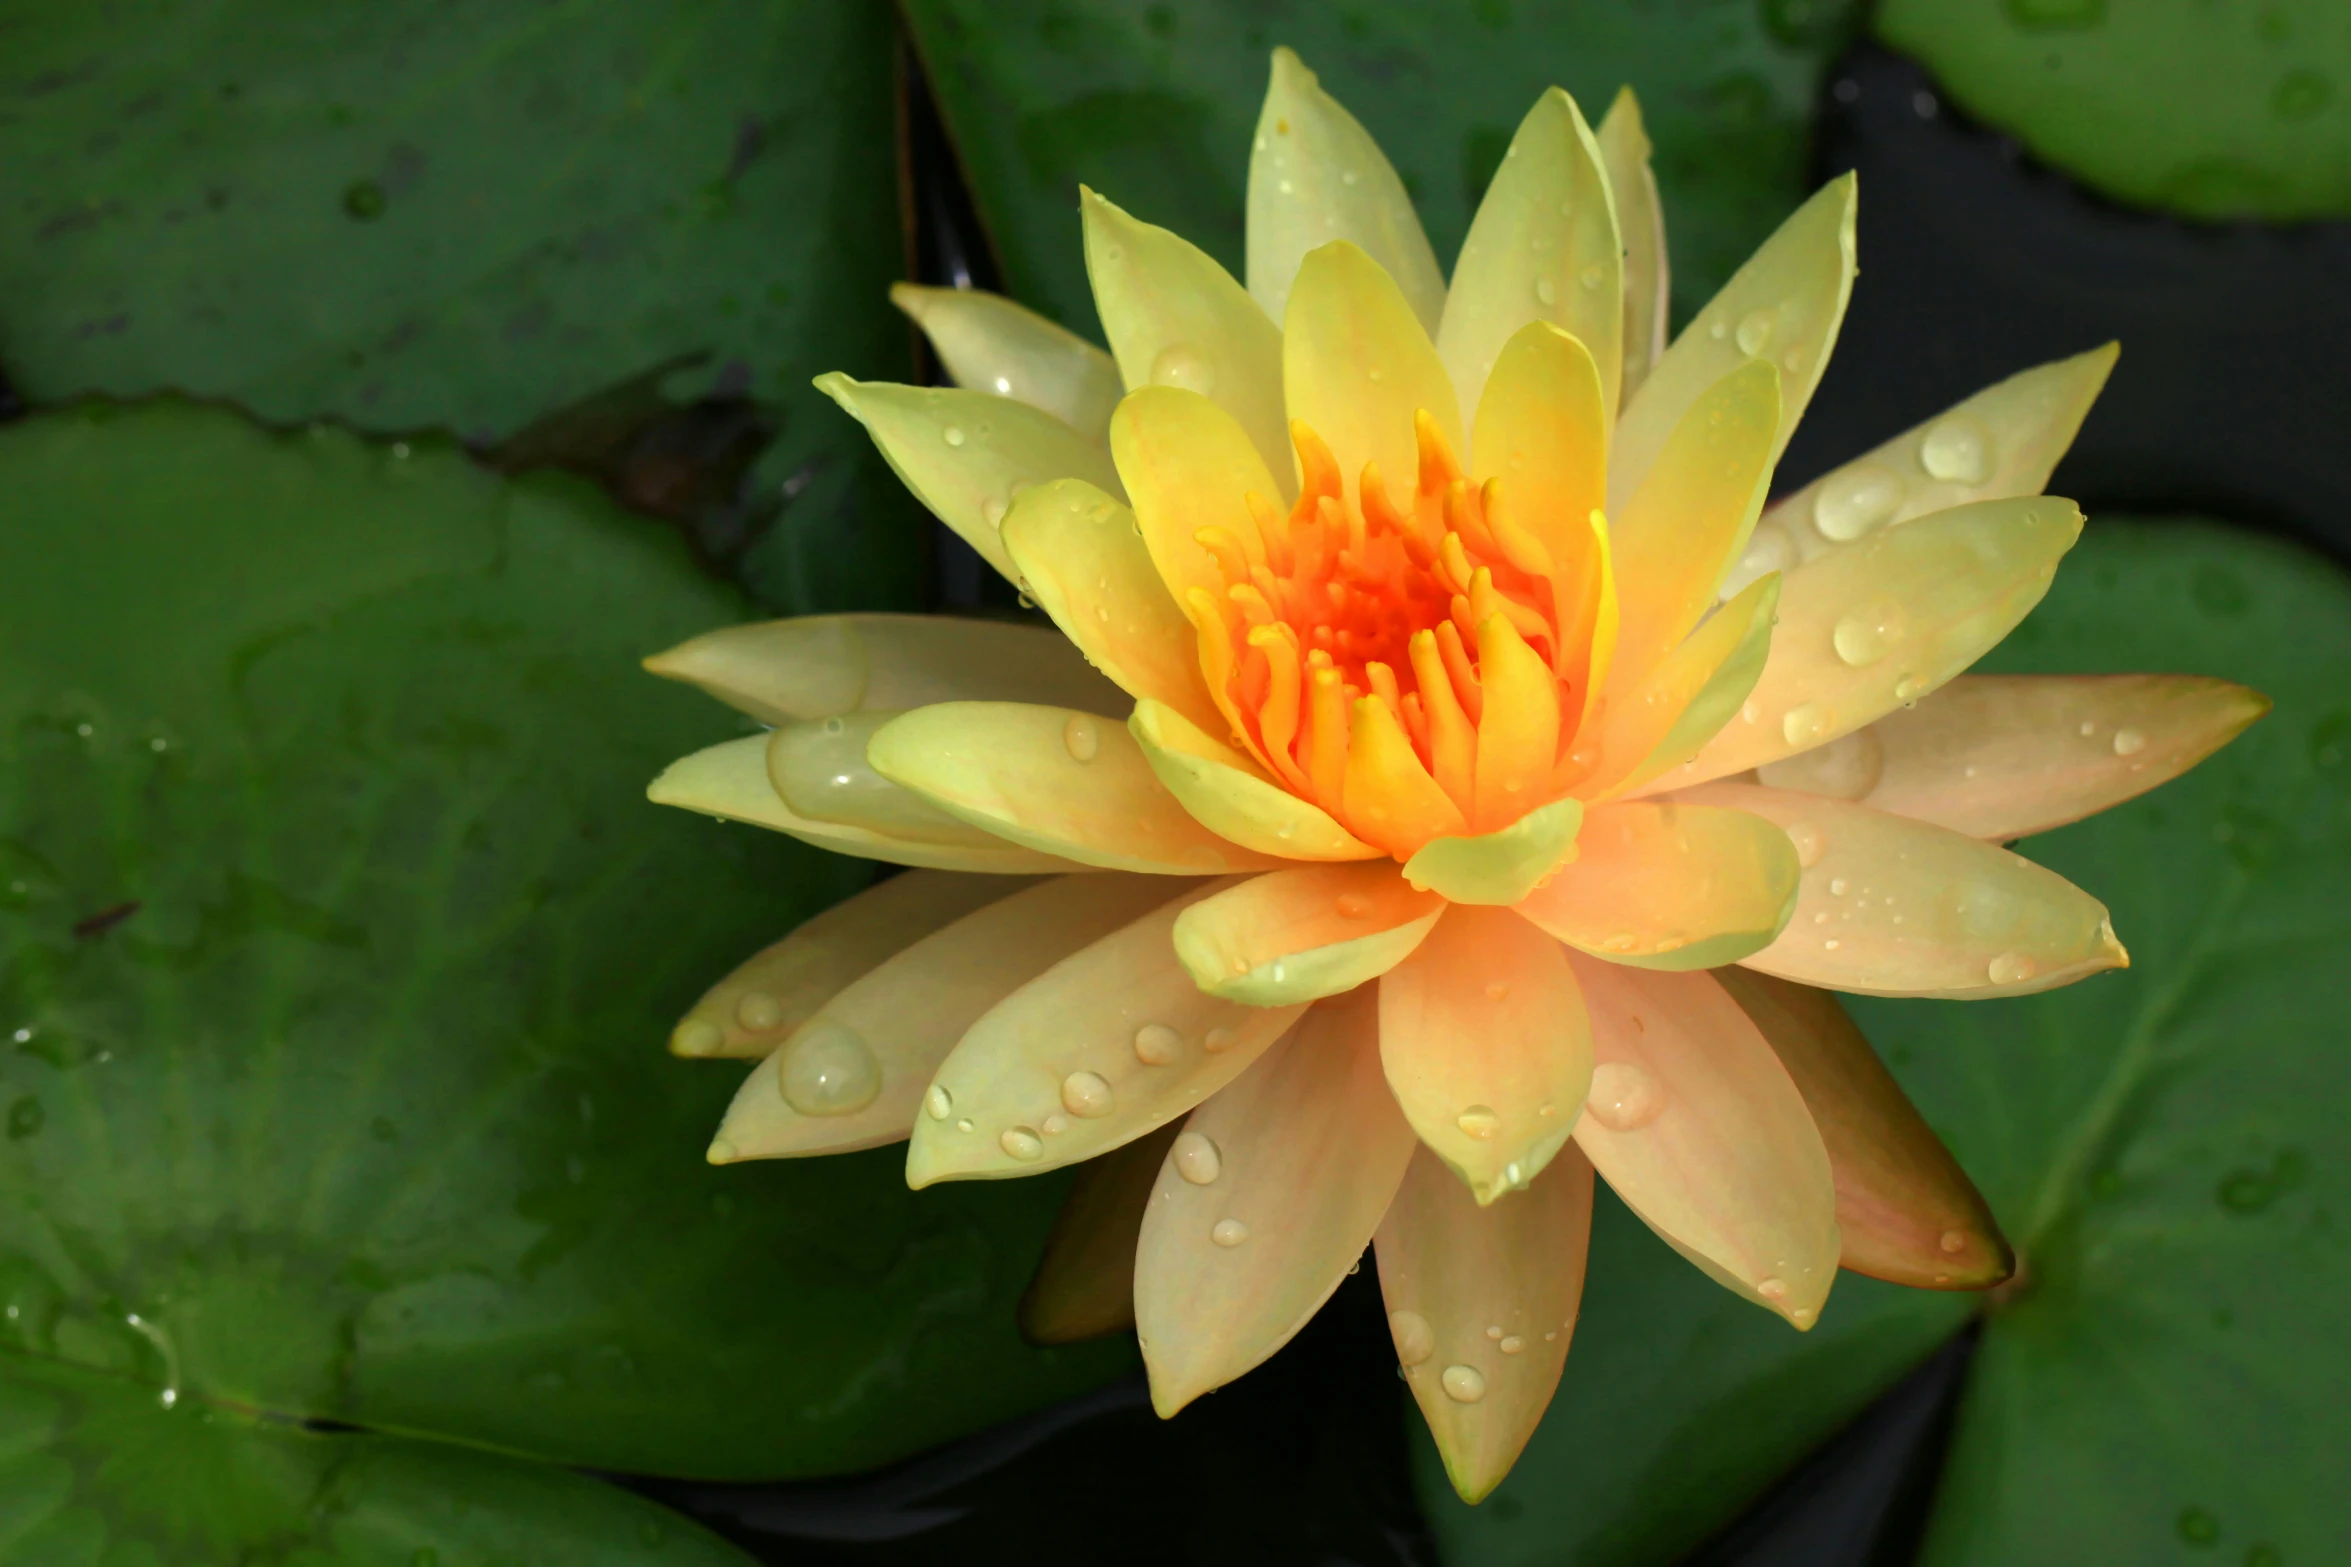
<point x="1448" y="780"/>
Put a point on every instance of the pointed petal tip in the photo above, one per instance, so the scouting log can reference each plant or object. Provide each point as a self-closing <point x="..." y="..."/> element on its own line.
<point x="721" y="1151"/>
<point x="696" y="1039"/>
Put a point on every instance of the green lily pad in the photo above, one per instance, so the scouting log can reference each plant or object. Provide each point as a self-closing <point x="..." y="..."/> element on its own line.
<point x="2215" y="111"/>
<point x="338" y="949"/>
<point x="2158" y="1143"/>
<point x="1155" y="107"/>
<point x="95" y="1472"/>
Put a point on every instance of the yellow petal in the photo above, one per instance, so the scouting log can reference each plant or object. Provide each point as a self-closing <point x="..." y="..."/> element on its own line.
<point x="1357" y="365"/>
<point x="1176" y="318"/>
<point x="1542" y="431"/>
<point x="1051" y="780"/>
<point x="1543" y="247"/>
<point x="1656" y="727"/>
<point x="1906" y="1211"/>
<point x="1187" y="467"/>
<point x="1267" y="1199"/>
<point x="1640" y="222"/>
<point x="2005" y="756"/>
<point x="1685" y="526"/>
<point x="854" y="1075"/>
<point x="1230" y="795"/>
<point x="820" y="666"/>
<point x="1081" y="557"/>
<point x="1784" y="305"/>
<point x="1865" y="630"/>
<point x="821" y="772"/>
<point x="751" y="1011"/>
<point x="1300" y="935"/>
<point x="1499" y="867"/>
<point x="1390" y="798"/>
<point x="1482" y="1303"/>
<point x="1697" y="1126"/>
<point x="990" y="344"/>
<point x="1518" y="733"/>
<point x="2001" y="442"/>
<point x="731" y="781"/>
<point x="965" y="455"/>
<point x="1084" y="1286"/>
<point x="1486" y="1044"/>
<point x="1108" y="1044"/>
<point x="1315" y="176"/>
<point x="1893" y="907"/>
<point x="1671" y="886"/>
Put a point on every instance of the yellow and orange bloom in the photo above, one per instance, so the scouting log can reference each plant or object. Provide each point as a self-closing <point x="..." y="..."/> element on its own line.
<point x="1448" y="780"/>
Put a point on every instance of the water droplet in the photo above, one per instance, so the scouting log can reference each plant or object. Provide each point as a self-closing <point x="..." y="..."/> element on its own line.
<point x="1229" y="1232"/>
<point x="1415" y="1340"/>
<point x="1847" y="768"/>
<point x="1852" y="501"/>
<point x="1218" y="1040"/>
<point x="1055" y="1124"/>
<point x="1755" y="332"/>
<point x="1957" y="450"/>
<point x="1718" y="330"/>
<point x="1809" y="843"/>
<point x="1197" y="1159"/>
<point x="1156" y="1044"/>
<point x="1772" y="1289"/>
<point x="1837" y="885"/>
<point x="1479" y="1122"/>
<point x="2129" y="742"/>
<point x="1081" y="737"/>
<point x="953" y="434"/>
<point x="964" y="1124"/>
<point x="1806" y="724"/>
<point x="759" y="1012"/>
<point x="1769" y="549"/>
<point x="828" y="1070"/>
<point x="994" y="511"/>
<point x="1493" y="1330"/>
<point x="1593" y="276"/>
<point x="2012" y="968"/>
<point x="1463" y="1384"/>
<point x="1908" y="690"/>
<point x="1624" y="1097"/>
<point x="1546" y="291"/>
<point x="1086" y="1094"/>
<point x="1022" y="1142"/>
<point x="1953" y="1242"/>
<point x="1348" y="176"/>
<point x="1864" y="635"/>
<point x="1353" y="905"/>
<point x="1180" y="365"/>
<point x="1511" y="1344"/>
<point x="938" y="1103"/>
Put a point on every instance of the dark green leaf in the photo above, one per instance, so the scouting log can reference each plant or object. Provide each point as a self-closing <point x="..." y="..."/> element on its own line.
<point x="2162" y="1145"/>
<point x="1155" y="106"/>
<point x="338" y="945"/>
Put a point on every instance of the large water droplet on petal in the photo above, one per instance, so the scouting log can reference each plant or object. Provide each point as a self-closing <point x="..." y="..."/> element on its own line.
<point x="1624" y="1097"/>
<point x="1156" y="1044"/>
<point x="938" y="1104"/>
<point x="1179" y="365"/>
<point x="1022" y="1143"/>
<point x="1415" y="1340"/>
<point x="1853" y="501"/>
<point x="1229" y="1232"/>
<point x="2129" y="741"/>
<point x="1810" y="843"/>
<point x="1865" y="634"/>
<point x="1769" y="549"/>
<point x="1464" y="1384"/>
<point x="1081" y="737"/>
<point x="828" y="1070"/>
<point x="1755" y="331"/>
<point x="1478" y="1121"/>
<point x="953" y="434"/>
<point x="1957" y="450"/>
<point x="2011" y="968"/>
<point x="1806" y="724"/>
<point x="1197" y="1159"/>
<point x="1087" y="1094"/>
<point x="758" y="1011"/>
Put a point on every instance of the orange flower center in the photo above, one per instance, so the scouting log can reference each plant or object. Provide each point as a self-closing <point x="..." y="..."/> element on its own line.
<point x="1415" y="671"/>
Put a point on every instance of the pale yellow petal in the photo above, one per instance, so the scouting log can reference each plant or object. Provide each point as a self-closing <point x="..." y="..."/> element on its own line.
<point x="1785" y="304"/>
<point x="1499" y="867"/>
<point x="820" y="666"/>
<point x="1316" y="175"/>
<point x="820" y="770"/>
<point x="965" y="455"/>
<point x="1082" y="559"/>
<point x="1906" y="1211"/>
<point x="1893" y="907"/>
<point x="1697" y="1126"/>
<point x="1228" y="793"/>
<point x="855" y="1074"/>
<point x="730" y="781"/>
<point x="2004" y="756"/>
<point x="1640" y="222"/>
<point x="1357" y="365"/>
<point x="1084" y="1286"/>
<point x="1656" y="727"/>
<point x="1486" y="1044"/>
<point x="1299" y="935"/>
<point x="751" y="1011"/>
<point x="1543" y="247"/>
<point x="1542" y="431"/>
<point x="1108" y="1044"/>
<point x="1187" y="466"/>
<point x="1176" y="318"/>
<point x="990" y="344"/>
<point x="1685" y="526"/>
<point x="1670" y="886"/>
<point x="1265" y="1202"/>
<point x="2001" y="442"/>
<point x="1054" y="781"/>
<point x="1482" y="1303"/>
<point x="1865" y="630"/>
